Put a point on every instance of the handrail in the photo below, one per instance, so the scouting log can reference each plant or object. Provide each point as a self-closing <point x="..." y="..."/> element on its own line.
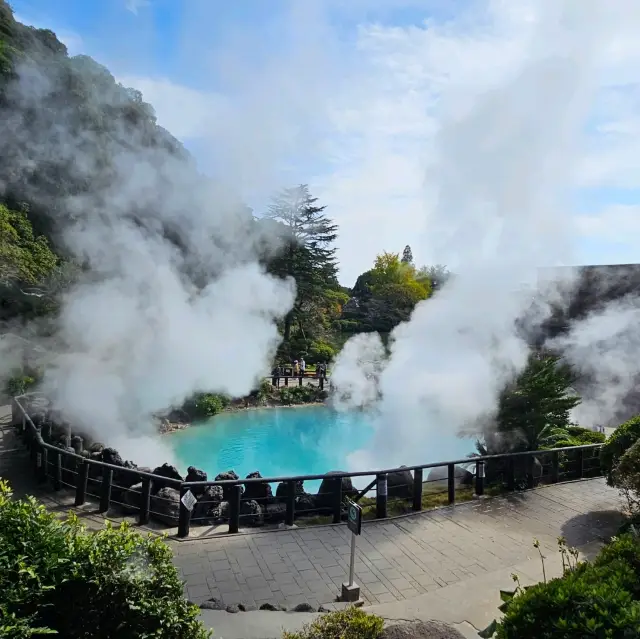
<point x="232" y="487"/>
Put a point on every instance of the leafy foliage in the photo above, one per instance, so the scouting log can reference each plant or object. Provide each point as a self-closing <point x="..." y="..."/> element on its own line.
<point x="534" y="411"/>
<point x="301" y="394"/>
<point x="203" y="405"/>
<point x="352" y="623"/>
<point x="601" y="599"/>
<point x="18" y="385"/>
<point x="56" y="578"/>
<point x="617" y="445"/>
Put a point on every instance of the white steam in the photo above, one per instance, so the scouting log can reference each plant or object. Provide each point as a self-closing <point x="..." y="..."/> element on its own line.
<point x="503" y="162"/>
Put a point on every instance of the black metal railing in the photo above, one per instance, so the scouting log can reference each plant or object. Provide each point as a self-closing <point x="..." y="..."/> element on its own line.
<point x="250" y="502"/>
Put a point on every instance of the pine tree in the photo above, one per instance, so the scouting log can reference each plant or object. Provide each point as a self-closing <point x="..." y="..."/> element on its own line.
<point x="308" y="254"/>
<point x="407" y="255"/>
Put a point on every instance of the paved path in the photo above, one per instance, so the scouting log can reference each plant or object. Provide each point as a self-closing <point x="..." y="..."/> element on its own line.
<point x="400" y="559"/>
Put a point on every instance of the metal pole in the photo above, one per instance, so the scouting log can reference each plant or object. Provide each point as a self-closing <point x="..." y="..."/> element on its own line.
<point x="352" y="564"/>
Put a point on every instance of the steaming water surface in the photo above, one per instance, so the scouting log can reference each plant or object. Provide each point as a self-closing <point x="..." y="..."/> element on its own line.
<point x="288" y="441"/>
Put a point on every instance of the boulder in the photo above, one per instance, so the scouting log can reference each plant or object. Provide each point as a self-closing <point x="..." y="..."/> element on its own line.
<point x="324" y="498"/>
<point x="275" y="513"/>
<point x="212" y="604"/>
<point x="251" y="513"/>
<point x="229" y="475"/>
<point x="281" y="490"/>
<point x="306" y="505"/>
<point x="259" y="491"/>
<point x="168" y="471"/>
<point x="77" y="444"/>
<point x="462" y="476"/>
<point x="420" y="630"/>
<point x="96" y="447"/>
<point x="165" y="506"/>
<point x="209" y="500"/>
<point x="178" y="416"/>
<point x="132" y="498"/>
<point x="400" y="484"/>
<point x="112" y="456"/>
<point x="304" y="607"/>
<point x="220" y="514"/>
<point x="194" y="474"/>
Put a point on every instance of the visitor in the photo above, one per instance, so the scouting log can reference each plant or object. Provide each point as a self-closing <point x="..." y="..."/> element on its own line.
<point x="275" y="379"/>
<point x="296" y="368"/>
<point x="303" y="366"/>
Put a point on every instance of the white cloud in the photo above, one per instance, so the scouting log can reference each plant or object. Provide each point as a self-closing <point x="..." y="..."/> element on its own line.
<point x="135" y="5"/>
<point x="360" y="111"/>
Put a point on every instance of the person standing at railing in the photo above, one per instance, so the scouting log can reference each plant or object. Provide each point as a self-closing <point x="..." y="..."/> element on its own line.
<point x="296" y="368"/>
<point x="303" y="367"/>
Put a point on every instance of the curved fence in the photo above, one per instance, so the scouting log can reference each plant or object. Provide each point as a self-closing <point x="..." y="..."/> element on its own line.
<point x="165" y="496"/>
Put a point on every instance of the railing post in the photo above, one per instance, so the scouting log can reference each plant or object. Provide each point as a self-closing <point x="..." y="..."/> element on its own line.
<point x="145" y="501"/>
<point x="580" y="463"/>
<point x="286" y="381"/>
<point x="105" y="492"/>
<point x="321" y="383"/>
<point x="300" y="381"/>
<point x="511" y="473"/>
<point x="44" y="466"/>
<point x="555" y="467"/>
<point x="291" y="503"/>
<point x="234" y="509"/>
<point x="57" y="478"/>
<point x="451" y="483"/>
<point x="381" y="496"/>
<point x="336" y="494"/>
<point x="417" y="490"/>
<point x="480" y="478"/>
<point x="184" y="516"/>
<point x="82" y="478"/>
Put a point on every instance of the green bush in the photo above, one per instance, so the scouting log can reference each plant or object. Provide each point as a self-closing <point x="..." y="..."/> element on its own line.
<point x="19" y="385"/>
<point x="351" y="623"/>
<point x="590" y="600"/>
<point x="583" y="436"/>
<point x="56" y="578"/>
<point x="321" y="352"/>
<point x="617" y="444"/>
<point x="626" y="477"/>
<point x="203" y="405"/>
<point x="301" y="394"/>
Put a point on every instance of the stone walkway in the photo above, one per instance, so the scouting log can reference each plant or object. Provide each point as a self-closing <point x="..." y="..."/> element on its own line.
<point x="402" y="558"/>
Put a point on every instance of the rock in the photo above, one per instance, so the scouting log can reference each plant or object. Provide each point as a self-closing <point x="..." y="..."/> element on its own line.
<point x="220" y="514"/>
<point x="326" y="492"/>
<point x="420" y="630"/>
<point x="441" y="474"/>
<point x="96" y="447"/>
<point x="247" y="607"/>
<point x="268" y="606"/>
<point x="168" y="471"/>
<point x="207" y="502"/>
<point x="233" y="608"/>
<point x="194" y="474"/>
<point x="400" y="484"/>
<point x="213" y="604"/>
<point x="259" y="491"/>
<point x="230" y="475"/>
<point x="304" y="607"/>
<point x="306" y="505"/>
<point x="132" y="497"/>
<point x="251" y="513"/>
<point x="112" y="456"/>
<point x="323" y="609"/>
<point x="178" y="416"/>
<point x="281" y="490"/>
<point x="165" y="506"/>
<point x="275" y="513"/>
<point x="77" y="444"/>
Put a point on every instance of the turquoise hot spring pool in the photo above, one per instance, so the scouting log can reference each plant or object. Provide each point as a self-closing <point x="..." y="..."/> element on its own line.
<point x="281" y="442"/>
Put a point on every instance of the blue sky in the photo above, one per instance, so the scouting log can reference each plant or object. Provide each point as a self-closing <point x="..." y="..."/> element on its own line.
<point x="351" y="97"/>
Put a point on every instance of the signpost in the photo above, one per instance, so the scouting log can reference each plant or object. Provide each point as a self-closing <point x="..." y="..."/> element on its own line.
<point x="188" y="500"/>
<point x="351" y="590"/>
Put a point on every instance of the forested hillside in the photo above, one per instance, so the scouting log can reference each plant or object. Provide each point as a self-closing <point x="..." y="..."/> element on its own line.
<point x="67" y="128"/>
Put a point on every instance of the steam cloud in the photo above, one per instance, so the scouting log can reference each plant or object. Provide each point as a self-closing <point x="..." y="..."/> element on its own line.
<point x="502" y="168"/>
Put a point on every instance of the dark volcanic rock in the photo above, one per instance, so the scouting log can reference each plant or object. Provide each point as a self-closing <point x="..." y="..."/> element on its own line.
<point x="305" y="505"/>
<point x="251" y="513"/>
<point x="207" y="502"/>
<point x="112" y="456"/>
<point x="96" y="447"/>
<point x="325" y="496"/>
<point x="275" y="513"/>
<point x="168" y="471"/>
<point x="165" y="506"/>
<point x="229" y="475"/>
<point x="268" y="606"/>
<point x="304" y="607"/>
<point x="132" y="498"/>
<point x="194" y="474"/>
<point x="233" y="608"/>
<point x="281" y="490"/>
<point x="462" y="476"/>
<point x="400" y="484"/>
<point x="260" y="491"/>
<point x="219" y="514"/>
<point x="213" y="604"/>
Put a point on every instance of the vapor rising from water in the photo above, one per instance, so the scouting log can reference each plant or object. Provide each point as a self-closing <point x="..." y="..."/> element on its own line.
<point x="503" y="163"/>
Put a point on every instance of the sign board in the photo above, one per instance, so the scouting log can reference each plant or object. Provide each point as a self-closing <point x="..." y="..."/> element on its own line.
<point x="39" y="460"/>
<point x="382" y="486"/>
<point x="188" y="500"/>
<point x="354" y="518"/>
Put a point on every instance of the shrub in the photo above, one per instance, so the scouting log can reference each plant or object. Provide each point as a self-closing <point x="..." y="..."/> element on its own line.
<point x="301" y="394"/>
<point x="583" y="436"/>
<point x="56" y="578"/>
<point x="19" y="385"/>
<point x="321" y="352"/>
<point x="351" y="623"/>
<point x="618" y="443"/>
<point x="590" y="600"/>
<point x="626" y="476"/>
<point x="203" y="405"/>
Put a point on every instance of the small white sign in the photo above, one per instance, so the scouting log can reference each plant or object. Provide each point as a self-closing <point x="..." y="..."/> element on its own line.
<point x="39" y="459"/>
<point x="189" y="500"/>
<point x="382" y="486"/>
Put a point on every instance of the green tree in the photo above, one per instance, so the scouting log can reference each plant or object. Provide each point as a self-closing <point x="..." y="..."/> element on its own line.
<point x="534" y="411"/>
<point x="436" y="275"/>
<point x="308" y="251"/>
<point x="407" y="255"/>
